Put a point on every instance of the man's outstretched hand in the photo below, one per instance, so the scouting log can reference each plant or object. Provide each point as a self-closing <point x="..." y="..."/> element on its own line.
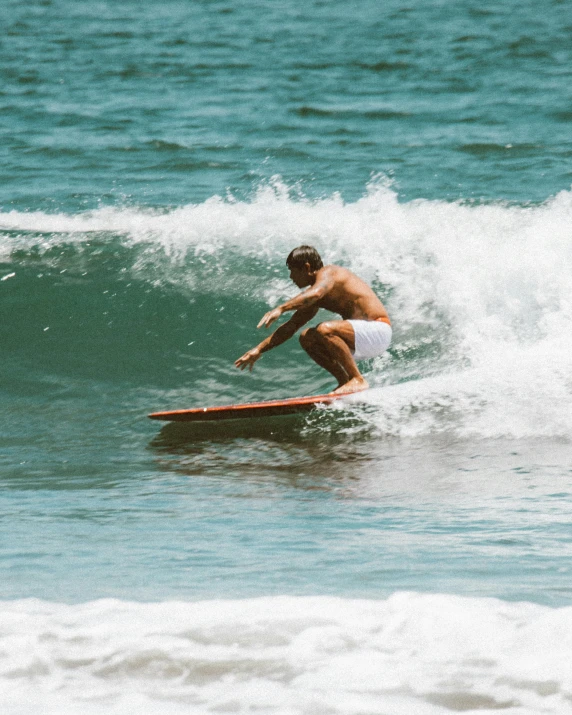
<point x="248" y="359"/>
<point x="269" y="318"/>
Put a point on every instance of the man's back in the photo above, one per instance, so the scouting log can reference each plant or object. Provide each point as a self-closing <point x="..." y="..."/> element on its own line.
<point x="348" y="295"/>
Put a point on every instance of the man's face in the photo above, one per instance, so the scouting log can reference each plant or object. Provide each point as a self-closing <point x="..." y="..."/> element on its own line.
<point x="300" y="275"/>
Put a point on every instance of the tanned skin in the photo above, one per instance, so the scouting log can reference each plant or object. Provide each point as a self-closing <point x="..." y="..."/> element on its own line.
<point x="329" y="344"/>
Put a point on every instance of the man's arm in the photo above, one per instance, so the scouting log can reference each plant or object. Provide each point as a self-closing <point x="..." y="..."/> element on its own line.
<point x="279" y="336"/>
<point x="305" y="300"/>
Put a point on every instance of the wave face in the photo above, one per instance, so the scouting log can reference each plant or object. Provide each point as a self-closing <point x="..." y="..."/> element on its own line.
<point x="166" y="300"/>
<point x="411" y="653"/>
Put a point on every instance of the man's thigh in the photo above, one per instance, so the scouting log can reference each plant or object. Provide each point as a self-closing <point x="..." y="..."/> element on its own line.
<point x="340" y="328"/>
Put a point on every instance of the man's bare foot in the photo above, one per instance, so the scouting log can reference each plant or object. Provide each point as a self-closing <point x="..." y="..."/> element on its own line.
<point x="356" y="384"/>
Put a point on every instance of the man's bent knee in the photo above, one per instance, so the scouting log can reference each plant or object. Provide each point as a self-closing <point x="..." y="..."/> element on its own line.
<point x="336" y="330"/>
<point x="325" y="330"/>
<point x="317" y="335"/>
<point x="307" y="337"/>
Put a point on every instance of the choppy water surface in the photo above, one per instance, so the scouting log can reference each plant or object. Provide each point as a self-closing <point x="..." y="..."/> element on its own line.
<point x="174" y="102"/>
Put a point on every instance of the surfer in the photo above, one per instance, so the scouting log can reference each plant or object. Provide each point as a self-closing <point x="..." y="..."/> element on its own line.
<point x="363" y="332"/>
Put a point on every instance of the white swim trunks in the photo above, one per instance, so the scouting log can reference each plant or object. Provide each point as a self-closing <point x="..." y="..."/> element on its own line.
<point x="372" y="338"/>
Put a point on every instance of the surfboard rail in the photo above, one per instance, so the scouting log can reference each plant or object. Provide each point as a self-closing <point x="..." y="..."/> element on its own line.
<point x="266" y="408"/>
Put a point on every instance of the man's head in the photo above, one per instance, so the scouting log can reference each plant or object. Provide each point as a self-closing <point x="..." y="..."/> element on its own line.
<point x="304" y="262"/>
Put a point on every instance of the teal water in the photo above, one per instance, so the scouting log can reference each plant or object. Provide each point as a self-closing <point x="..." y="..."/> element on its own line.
<point x="158" y="163"/>
<point x="166" y="104"/>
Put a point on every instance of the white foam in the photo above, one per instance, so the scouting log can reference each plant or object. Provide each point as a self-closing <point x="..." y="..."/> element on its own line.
<point x="411" y="653"/>
<point x="487" y="285"/>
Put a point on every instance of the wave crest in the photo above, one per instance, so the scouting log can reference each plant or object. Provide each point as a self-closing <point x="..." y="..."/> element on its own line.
<point x="479" y="295"/>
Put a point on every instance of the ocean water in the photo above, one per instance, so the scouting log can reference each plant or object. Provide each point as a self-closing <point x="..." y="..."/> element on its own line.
<point x="405" y="552"/>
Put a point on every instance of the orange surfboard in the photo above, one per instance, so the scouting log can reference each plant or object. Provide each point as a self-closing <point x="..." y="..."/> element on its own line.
<point x="269" y="408"/>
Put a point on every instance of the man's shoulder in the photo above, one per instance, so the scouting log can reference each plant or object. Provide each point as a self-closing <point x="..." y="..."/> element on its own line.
<point x="335" y="271"/>
<point x="331" y="276"/>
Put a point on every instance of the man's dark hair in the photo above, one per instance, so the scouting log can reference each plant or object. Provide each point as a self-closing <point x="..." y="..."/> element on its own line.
<point x="302" y="255"/>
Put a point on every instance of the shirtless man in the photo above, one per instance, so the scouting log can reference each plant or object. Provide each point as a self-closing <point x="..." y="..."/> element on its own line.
<point x="363" y="332"/>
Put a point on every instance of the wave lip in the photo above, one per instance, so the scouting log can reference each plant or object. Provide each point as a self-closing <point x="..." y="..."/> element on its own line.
<point x="411" y="653"/>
